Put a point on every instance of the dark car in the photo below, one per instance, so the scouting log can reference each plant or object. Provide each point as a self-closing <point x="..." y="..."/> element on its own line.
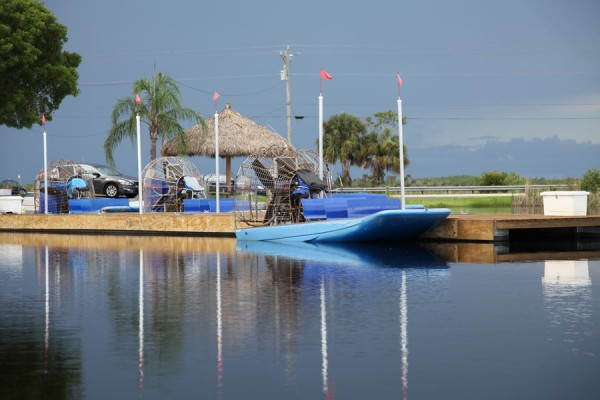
<point x="15" y="187"/>
<point x="109" y="182"/>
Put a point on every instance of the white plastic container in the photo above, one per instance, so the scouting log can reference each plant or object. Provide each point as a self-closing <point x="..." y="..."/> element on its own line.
<point x="565" y="203"/>
<point x="11" y="204"/>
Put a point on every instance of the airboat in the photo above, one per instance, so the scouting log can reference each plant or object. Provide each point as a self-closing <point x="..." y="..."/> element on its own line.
<point x="296" y="205"/>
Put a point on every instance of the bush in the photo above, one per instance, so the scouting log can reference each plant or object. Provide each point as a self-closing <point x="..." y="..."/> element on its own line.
<point x="493" y="178"/>
<point x="590" y="182"/>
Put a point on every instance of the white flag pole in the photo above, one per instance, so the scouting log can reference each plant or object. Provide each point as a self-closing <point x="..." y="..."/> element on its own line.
<point x="321" y="136"/>
<point x="139" y="156"/>
<point x="401" y="146"/>
<point x="45" y="172"/>
<point x="217" y="161"/>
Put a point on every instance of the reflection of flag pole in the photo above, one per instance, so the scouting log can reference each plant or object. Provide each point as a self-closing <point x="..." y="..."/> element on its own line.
<point x="219" y="330"/>
<point x="141" y="322"/>
<point x="47" y="303"/>
<point x="324" y="360"/>
<point x="138" y="101"/>
<point x="404" y="336"/>
<point x="45" y="166"/>
<point x="401" y="143"/>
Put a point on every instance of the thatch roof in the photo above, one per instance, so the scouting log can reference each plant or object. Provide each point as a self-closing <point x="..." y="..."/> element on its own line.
<point x="238" y="136"/>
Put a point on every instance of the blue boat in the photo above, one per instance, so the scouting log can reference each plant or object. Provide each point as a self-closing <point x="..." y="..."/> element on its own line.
<point x="386" y="225"/>
<point x="300" y="207"/>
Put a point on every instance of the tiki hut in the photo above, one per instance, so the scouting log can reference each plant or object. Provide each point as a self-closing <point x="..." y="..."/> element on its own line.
<point x="238" y="137"/>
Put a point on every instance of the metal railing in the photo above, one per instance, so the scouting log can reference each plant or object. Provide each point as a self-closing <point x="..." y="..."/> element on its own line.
<point x="453" y="189"/>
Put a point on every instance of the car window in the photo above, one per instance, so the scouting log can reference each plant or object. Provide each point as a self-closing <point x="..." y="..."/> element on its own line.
<point x="108" y="171"/>
<point x="88" y="169"/>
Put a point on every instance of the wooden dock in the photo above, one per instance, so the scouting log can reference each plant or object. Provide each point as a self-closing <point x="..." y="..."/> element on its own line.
<point x="471" y="228"/>
<point x="504" y="227"/>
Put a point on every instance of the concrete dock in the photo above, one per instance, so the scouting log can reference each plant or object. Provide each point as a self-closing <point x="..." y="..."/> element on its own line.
<point x="472" y="227"/>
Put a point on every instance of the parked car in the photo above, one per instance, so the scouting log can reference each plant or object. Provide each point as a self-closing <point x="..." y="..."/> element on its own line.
<point x="15" y="187"/>
<point x="243" y="183"/>
<point x="210" y="182"/>
<point x="108" y="181"/>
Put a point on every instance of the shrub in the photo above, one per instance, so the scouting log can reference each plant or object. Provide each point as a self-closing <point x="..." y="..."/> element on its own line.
<point x="493" y="178"/>
<point x="590" y="182"/>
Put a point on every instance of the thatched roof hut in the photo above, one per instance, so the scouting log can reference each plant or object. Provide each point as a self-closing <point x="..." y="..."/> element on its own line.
<point x="238" y="137"/>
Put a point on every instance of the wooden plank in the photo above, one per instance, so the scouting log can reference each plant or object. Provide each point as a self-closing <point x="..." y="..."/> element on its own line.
<point x="123" y="242"/>
<point x="473" y="227"/>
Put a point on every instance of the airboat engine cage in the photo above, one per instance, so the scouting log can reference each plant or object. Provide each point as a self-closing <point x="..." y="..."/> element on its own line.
<point x="167" y="181"/>
<point x="66" y="180"/>
<point x="271" y="184"/>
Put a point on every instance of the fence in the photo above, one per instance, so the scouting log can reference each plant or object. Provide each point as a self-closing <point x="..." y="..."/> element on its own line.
<point x="436" y="190"/>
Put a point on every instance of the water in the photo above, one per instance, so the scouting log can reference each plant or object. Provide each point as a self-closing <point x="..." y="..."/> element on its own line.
<point x="97" y="317"/>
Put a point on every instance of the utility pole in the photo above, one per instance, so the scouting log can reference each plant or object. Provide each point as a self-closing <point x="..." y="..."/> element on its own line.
<point x="285" y="76"/>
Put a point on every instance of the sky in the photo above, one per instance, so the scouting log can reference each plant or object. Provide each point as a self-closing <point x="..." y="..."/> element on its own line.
<point x="510" y="85"/>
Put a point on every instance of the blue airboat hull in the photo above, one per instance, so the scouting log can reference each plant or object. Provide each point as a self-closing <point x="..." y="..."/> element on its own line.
<point x="381" y="226"/>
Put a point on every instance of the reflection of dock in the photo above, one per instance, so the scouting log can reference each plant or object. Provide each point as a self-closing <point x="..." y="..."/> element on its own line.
<point x="435" y="253"/>
<point x="489" y="253"/>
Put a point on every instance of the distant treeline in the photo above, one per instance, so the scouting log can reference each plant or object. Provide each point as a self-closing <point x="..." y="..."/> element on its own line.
<point x="492" y="178"/>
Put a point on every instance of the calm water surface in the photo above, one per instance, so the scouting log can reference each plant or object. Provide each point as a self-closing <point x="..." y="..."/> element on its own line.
<point x="88" y="317"/>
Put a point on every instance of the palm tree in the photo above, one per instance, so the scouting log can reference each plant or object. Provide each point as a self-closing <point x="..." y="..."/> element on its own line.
<point x="380" y="153"/>
<point x="160" y="110"/>
<point x="342" y="135"/>
<point x="379" y="149"/>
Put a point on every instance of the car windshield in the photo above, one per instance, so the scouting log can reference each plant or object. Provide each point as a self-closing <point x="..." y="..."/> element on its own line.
<point x="102" y="169"/>
<point x="8" y="184"/>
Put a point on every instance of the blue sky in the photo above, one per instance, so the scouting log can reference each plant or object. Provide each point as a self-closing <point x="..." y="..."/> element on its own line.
<point x="475" y="73"/>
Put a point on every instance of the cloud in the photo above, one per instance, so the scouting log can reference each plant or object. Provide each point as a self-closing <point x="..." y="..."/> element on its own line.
<point x="536" y="157"/>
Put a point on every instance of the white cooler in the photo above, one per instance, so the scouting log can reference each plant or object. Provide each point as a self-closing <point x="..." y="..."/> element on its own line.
<point x="565" y="203"/>
<point x="11" y="204"/>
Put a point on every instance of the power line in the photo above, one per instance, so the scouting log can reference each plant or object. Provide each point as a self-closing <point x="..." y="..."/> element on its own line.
<point x="460" y="118"/>
<point x="230" y="94"/>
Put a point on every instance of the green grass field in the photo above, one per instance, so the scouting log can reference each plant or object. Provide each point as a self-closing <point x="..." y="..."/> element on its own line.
<point x="462" y="202"/>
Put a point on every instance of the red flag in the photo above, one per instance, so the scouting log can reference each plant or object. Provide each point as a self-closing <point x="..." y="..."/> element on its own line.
<point x="325" y="75"/>
<point x="138" y="100"/>
<point x="216" y="96"/>
<point x="43" y="119"/>
<point x="399" y="80"/>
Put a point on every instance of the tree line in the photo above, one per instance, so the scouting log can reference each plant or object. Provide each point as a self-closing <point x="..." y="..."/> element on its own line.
<point x="370" y="143"/>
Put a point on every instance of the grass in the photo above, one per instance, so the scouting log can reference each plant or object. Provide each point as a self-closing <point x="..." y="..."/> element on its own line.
<point x="462" y="202"/>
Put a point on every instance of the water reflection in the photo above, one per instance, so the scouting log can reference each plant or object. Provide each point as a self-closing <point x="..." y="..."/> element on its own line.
<point x="141" y="322"/>
<point x="329" y="262"/>
<point x="398" y="255"/>
<point x="128" y="317"/>
<point x="263" y="292"/>
<point x="568" y="301"/>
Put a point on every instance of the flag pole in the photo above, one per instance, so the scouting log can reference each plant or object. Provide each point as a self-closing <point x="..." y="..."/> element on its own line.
<point x="321" y="136"/>
<point x="401" y="146"/>
<point x="45" y="167"/>
<point x="217" y="161"/>
<point x="139" y="162"/>
<point x="323" y="75"/>
<point x="138" y="102"/>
